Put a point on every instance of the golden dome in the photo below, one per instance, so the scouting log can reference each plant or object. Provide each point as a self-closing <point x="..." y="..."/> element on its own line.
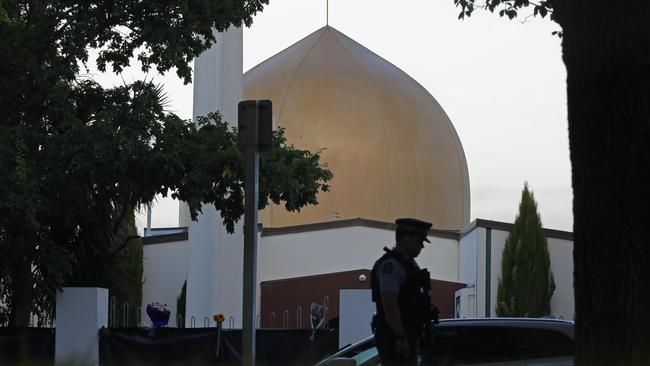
<point x="391" y="147"/>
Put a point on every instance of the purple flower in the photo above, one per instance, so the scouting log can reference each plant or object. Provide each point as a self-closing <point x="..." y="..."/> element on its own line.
<point x="158" y="314"/>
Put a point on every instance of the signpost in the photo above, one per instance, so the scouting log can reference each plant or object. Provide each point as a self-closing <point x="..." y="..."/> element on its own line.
<point x="255" y="130"/>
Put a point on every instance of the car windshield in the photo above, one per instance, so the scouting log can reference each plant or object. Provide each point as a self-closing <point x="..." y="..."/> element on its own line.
<point x="365" y="356"/>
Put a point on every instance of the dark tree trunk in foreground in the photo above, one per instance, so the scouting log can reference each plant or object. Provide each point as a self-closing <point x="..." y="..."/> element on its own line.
<point x="606" y="50"/>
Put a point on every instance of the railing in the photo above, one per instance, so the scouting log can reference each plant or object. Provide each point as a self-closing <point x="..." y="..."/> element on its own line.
<point x="299" y="317"/>
<point x="127" y="315"/>
<point x="270" y="319"/>
<point x="124" y="315"/>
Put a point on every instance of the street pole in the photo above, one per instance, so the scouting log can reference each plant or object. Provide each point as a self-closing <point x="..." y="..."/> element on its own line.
<point x="251" y="194"/>
<point x="255" y="130"/>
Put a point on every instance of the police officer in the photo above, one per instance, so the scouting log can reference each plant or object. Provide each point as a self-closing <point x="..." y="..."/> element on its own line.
<point x="396" y="290"/>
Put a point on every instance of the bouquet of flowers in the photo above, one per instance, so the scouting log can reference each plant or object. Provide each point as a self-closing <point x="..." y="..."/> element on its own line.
<point x="158" y="314"/>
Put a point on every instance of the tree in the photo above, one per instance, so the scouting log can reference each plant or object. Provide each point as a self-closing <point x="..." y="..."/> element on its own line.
<point x="138" y="152"/>
<point x="122" y="277"/>
<point x="77" y="159"/>
<point x="181" y="301"/>
<point x="605" y="50"/>
<point x="526" y="284"/>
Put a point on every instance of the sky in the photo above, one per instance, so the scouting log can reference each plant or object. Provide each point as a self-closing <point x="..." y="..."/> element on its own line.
<point x="501" y="82"/>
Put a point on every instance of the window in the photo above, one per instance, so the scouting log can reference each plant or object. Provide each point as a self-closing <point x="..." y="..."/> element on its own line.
<point x="367" y="357"/>
<point x="534" y="343"/>
<point x="472" y="345"/>
<point x="361" y="348"/>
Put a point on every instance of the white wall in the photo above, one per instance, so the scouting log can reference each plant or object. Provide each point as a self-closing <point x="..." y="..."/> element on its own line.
<point x="288" y="256"/>
<point x="467" y="258"/>
<point x="344" y="249"/>
<point x="165" y="270"/>
<point x="562" y="302"/>
<point x="498" y="242"/>
<point x="480" y="290"/>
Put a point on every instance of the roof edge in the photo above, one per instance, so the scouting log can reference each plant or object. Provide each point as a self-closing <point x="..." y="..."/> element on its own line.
<point x="320" y="275"/>
<point x="506" y="226"/>
<point x="179" y="228"/>
<point x="348" y="272"/>
<point x="357" y="222"/>
<point x="361" y="222"/>
<point x="166" y="238"/>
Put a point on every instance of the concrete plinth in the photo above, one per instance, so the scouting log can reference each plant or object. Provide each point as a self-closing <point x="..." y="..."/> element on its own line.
<point x="355" y="314"/>
<point x="80" y="313"/>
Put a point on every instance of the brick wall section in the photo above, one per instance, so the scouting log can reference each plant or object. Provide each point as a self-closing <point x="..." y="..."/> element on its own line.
<point x="283" y="295"/>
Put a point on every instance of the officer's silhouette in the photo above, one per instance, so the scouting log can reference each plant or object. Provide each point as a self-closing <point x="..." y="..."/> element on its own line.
<point x="400" y="290"/>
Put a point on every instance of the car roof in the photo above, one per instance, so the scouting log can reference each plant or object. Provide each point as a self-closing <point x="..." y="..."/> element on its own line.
<point x="505" y="321"/>
<point x="560" y="325"/>
<point x="564" y="326"/>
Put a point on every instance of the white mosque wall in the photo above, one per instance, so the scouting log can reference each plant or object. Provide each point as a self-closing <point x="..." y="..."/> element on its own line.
<point x="344" y="249"/>
<point x="498" y="242"/>
<point x="562" y="302"/>
<point x="467" y="247"/>
<point x="481" y="286"/>
<point x="467" y="262"/>
<point x="296" y="254"/>
<point x="164" y="271"/>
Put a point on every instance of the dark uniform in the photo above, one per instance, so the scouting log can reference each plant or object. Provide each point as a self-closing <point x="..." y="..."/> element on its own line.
<point x="397" y="272"/>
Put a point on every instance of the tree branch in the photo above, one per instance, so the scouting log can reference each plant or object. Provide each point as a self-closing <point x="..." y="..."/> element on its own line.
<point x="124" y="244"/>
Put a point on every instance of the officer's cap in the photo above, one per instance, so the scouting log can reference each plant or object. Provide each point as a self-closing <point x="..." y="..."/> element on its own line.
<point x="414" y="225"/>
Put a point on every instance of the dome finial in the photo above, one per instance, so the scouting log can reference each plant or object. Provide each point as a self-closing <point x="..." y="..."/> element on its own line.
<point x="327" y="12"/>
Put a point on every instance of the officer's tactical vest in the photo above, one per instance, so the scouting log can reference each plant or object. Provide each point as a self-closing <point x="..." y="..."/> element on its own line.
<point x="410" y="298"/>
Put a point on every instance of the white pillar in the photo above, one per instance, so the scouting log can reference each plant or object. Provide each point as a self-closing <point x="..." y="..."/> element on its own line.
<point x="214" y="278"/>
<point x="355" y="314"/>
<point x="80" y="313"/>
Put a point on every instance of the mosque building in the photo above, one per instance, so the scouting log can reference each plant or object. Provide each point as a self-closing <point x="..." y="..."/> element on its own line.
<point x="394" y="153"/>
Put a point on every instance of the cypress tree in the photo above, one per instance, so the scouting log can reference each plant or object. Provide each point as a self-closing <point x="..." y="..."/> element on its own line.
<point x="180" y="302"/>
<point x="526" y="284"/>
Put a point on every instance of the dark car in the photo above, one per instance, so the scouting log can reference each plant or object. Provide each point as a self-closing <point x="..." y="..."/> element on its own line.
<point x="488" y="341"/>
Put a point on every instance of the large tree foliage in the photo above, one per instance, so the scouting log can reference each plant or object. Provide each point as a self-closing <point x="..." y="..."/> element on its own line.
<point x="606" y="51"/>
<point x="526" y="284"/>
<point x="78" y="159"/>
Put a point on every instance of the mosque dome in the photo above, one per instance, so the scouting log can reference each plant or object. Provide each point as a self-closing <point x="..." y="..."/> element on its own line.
<point x="392" y="148"/>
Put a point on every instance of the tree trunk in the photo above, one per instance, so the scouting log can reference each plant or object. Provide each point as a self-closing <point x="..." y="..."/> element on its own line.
<point x="606" y="50"/>
<point x="22" y="293"/>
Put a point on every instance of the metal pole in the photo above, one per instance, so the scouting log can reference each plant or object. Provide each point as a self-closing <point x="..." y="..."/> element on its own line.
<point x="251" y="194"/>
<point x="148" y="231"/>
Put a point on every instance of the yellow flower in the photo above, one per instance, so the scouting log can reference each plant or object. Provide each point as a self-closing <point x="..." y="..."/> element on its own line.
<point x="218" y="317"/>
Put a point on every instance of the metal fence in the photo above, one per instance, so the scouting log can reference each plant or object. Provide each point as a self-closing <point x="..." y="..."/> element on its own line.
<point x="128" y="315"/>
<point x="317" y="317"/>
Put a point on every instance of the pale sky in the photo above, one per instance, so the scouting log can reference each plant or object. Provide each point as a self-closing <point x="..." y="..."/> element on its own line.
<point x="501" y="82"/>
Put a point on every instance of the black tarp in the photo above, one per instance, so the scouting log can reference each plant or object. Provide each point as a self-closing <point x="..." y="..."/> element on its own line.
<point x="198" y="346"/>
<point x="26" y="346"/>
